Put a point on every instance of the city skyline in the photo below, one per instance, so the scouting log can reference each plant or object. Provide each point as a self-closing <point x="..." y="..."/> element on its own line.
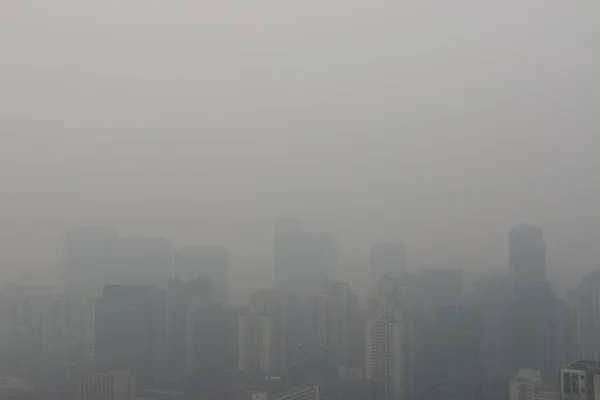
<point x="299" y="200"/>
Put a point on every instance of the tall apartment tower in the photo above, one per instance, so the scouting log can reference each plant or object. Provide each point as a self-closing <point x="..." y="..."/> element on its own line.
<point x="453" y="354"/>
<point x="262" y="333"/>
<point x="21" y="327"/>
<point x="58" y="341"/>
<point x="567" y="340"/>
<point x="586" y="300"/>
<point x="114" y="385"/>
<point x="336" y="312"/>
<point x="130" y="331"/>
<point x="386" y="358"/>
<point x="182" y="300"/>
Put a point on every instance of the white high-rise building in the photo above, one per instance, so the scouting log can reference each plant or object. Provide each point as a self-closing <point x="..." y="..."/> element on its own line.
<point x="580" y="381"/>
<point x="385" y="345"/>
<point x="262" y="333"/>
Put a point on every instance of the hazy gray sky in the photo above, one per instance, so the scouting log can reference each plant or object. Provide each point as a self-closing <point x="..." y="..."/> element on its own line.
<point x="455" y="118"/>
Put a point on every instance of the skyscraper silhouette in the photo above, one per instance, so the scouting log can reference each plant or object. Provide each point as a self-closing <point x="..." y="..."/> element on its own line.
<point x="130" y="331"/>
<point x="89" y="259"/>
<point x="527" y="256"/>
<point x="302" y="259"/>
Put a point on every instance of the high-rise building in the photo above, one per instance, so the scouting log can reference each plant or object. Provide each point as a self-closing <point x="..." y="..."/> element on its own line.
<point x="114" y="385"/>
<point x="40" y="328"/>
<point x="68" y="330"/>
<point x="57" y="337"/>
<point x="21" y="342"/>
<point x="532" y="315"/>
<point x="182" y="300"/>
<point x="491" y="297"/>
<point x="336" y="314"/>
<point x="208" y="345"/>
<point x="532" y="331"/>
<point x="586" y="300"/>
<point x="580" y="381"/>
<point x="86" y="329"/>
<point x="130" y="331"/>
<point x="205" y="261"/>
<point x="144" y="261"/>
<point x="303" y="259"/>
<point x="263" y="335"/>
<point x="387" y="259"/>
<point x="567" y="348"/>
<point x="527" y="256"/>
<point x="386" y="356"/>
<point x="89" y="257"/>
<point x="453" y="355"/>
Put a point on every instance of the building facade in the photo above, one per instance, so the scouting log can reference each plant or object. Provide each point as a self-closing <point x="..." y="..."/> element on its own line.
<point x="303" y="260"/>
<point x="386" y="356"/>
<point x="130" y="332"/>
<point x="115" y="385"/>
<point x="263" y="333"/>
<point x="336" y="313"/>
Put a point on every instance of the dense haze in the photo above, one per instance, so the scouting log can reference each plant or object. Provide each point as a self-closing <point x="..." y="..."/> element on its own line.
<point x="437" y="123"/>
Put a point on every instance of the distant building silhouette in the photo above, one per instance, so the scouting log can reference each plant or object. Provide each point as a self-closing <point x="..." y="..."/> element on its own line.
<point x="440" y="287"/>
<point x="531" y="330"/>
<point x="263" y="333"/>
<point x="182" y="300"/>
<point x="586" y="300"/>
<point x="144" y="261"/>
<point x="209" y="261"/>
<point x="527" y="256"/>
<point x="491" y="297"/>
<point x="21" y="321"/>
<point x="89" y="259"/>
<point x="337" y="309"/>
<point x="303" y="259"/>
<point x="387" y="259"/>
<point x="207" y="346"/>
<point x="453" y="355"/>
<point x="532" y="317"/>
<point x="567" y="340"/>
<point x="130" y="332"/>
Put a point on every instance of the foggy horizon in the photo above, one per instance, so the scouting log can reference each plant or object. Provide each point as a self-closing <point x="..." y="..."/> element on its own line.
<point x="439" y="125"/>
